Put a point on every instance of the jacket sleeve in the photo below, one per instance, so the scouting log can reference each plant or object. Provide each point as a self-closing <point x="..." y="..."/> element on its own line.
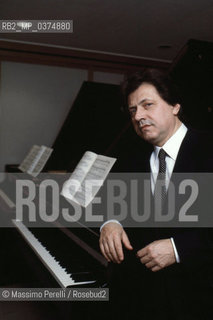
<point x="195" y="246"/>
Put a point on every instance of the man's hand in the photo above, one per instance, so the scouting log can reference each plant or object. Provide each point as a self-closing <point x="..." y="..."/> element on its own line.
<point x="157" y="255"/>
<point x="111" y="239"/>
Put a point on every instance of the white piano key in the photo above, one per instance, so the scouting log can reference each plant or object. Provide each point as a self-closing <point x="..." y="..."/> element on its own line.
<point x="59" y="273"/>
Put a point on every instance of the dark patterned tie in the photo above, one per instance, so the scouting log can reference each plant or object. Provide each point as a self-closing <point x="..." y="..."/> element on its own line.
<point x="161" y="178"/>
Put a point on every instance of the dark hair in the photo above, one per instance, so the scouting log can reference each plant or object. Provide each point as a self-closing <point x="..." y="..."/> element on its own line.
<point x="159" y="79"/>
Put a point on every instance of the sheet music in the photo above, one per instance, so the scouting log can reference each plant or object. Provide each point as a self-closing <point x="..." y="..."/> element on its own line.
<point x="35" y="160"/>
<point x="41" y="160"/>
<point x="80" y="187"/>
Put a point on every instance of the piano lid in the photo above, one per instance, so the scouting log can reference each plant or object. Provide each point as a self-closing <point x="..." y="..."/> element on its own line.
<point x="93" y="123"/>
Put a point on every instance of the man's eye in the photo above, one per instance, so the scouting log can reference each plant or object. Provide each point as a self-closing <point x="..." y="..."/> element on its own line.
<point x="148" y="104"/>
<point x="132" y="111"/>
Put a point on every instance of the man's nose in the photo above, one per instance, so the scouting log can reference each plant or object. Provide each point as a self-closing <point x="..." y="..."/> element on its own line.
<point x="140" y="114"/>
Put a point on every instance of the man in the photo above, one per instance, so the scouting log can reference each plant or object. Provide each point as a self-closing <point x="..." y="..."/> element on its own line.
<point x="171" y="274"/>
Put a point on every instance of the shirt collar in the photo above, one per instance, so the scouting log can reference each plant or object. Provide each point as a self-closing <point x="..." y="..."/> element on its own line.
<point x="172" y="145"/>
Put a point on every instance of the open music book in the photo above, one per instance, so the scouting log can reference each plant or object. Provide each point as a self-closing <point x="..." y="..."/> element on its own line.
<point x="35" y="160"/>
<point x="87" y="178"/>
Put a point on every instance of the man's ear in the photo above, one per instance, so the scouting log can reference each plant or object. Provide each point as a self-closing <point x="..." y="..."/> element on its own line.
<point x="176" y="109"/>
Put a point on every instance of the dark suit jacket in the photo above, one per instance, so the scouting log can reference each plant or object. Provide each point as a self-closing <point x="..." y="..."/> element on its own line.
<point x="180" y="291"/>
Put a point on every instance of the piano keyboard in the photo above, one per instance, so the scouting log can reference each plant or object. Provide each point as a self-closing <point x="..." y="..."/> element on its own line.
<point x="64" y="278"/>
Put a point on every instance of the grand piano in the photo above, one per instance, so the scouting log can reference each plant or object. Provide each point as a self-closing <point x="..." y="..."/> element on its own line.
<point x="60" y="256"/>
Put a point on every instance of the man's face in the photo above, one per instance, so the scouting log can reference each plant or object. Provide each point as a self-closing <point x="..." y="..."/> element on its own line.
<point x="153" y="119"/>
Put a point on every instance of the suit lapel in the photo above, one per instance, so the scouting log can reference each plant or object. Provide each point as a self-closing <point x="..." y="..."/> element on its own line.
<point x="188" y="157"/>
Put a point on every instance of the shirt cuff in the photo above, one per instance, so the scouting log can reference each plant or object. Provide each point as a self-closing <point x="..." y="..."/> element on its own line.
<point x="112" y="220"/>
<point x="175" y="251"/>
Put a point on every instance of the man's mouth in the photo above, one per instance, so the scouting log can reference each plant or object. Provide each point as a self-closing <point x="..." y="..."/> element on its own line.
<point x="144" y="126"/>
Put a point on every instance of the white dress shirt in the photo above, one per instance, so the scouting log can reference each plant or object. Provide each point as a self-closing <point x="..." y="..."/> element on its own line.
<point x="171" y="147"/>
